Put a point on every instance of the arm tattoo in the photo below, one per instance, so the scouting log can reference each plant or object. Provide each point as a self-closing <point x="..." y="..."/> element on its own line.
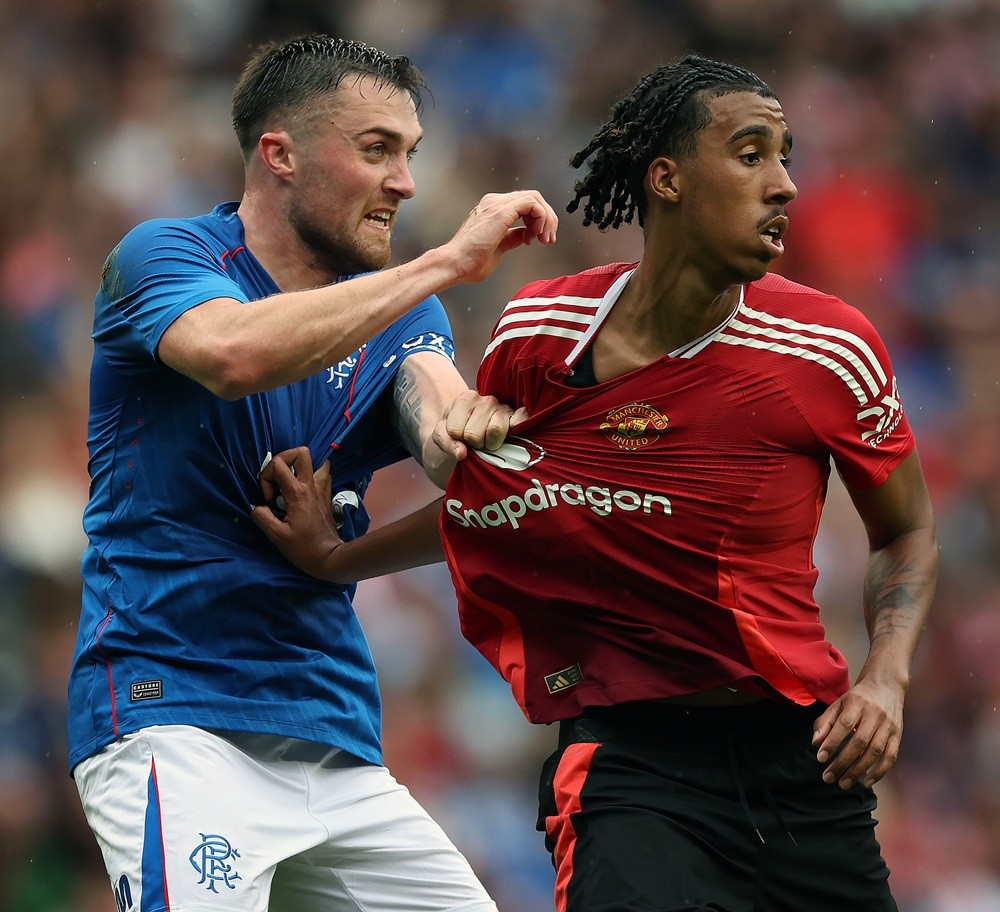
<point x="892" y="598"/>
<point x="406" y="411"/>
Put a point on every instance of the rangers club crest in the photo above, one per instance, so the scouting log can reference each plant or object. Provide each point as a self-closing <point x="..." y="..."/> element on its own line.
<point x="634" y="426"/>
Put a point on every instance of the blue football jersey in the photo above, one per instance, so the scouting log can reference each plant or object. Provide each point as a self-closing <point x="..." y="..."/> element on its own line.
<point x="190" y="616"/>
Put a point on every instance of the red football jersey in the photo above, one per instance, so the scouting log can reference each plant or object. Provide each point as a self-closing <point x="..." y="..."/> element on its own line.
<point x="651" y="536"/>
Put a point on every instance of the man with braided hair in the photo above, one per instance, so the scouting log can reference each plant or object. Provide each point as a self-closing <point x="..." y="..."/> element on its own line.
<point x="224" y="716"/>
<point x="637" y="561"/>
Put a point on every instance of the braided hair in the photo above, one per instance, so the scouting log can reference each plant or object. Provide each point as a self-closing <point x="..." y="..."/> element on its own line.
<point x="288" y="77"/>
<point x="660" y="117"/>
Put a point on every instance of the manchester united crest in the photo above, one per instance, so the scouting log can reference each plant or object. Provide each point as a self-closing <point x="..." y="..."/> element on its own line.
<point x="634" y="426"/>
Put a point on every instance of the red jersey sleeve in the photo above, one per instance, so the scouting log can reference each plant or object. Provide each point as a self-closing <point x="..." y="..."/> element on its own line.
<point x="841" y="381"/>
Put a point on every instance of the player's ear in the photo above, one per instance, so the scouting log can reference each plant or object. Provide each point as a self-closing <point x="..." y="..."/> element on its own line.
<point x="663" y="180"/>
<point x="277" y="153"/>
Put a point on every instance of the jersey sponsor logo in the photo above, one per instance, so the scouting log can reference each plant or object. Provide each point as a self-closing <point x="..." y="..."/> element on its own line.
<point x="212" y="859"/>
<point x="123" y="893"/>
<point x="634" y="426"/>
<point x="538" y="497"/>
<point x="145" y="690"/>
<point x="561" y="680"/>
<point x="888" y="412"/>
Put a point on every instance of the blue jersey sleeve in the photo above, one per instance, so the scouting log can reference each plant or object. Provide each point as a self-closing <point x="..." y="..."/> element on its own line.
<point x="160" y="269"/>
<point x="363" y="437"/>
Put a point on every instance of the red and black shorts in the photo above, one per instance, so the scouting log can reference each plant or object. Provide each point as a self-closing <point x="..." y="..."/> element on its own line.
<point x="666" y="808"/>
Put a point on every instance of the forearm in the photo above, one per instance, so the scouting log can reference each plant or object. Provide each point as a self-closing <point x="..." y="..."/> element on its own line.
<point x="426" y="385"/>
<point x="899" y="587"/>
<point x="859" y="734"/>
<point x="367" y="305"/>
<point x="412" y="541"/>
<point x="237" y="349"/>
<point x="320" y="327"/>
<point x="437" y="464"/>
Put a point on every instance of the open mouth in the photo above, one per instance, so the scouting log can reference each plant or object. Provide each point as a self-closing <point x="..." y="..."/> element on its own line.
<point x="773" y="232"/>
<point x="380" y="219"/>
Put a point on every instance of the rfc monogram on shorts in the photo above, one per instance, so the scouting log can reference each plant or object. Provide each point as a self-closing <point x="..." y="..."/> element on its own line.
<point x="213" y="859"/>
<point x="634" y="426"/>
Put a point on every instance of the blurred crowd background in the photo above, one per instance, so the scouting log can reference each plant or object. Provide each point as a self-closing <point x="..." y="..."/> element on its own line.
<point x="118" y="110"/>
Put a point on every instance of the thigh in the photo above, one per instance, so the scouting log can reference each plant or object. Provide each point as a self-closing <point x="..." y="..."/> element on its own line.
<point x="187" y="821"/>
<point x="383" y="853"/>
<point x="634" y="833"/>
<point x="835" y="861"/>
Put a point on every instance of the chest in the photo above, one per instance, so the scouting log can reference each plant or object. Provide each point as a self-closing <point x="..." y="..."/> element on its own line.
<point x="669" y="411"/>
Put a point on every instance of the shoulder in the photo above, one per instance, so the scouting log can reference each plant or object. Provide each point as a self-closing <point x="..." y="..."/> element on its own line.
<point x="171" y="264"/>
<point x="424" y="328"/>
<point x="554" y="314"/>
<point x="785" y="299"/>
<point x="431" y="309"/>
<point x="813" y="335"/>
<point x="168" y="238"/>
<point x="199" y="228"/>
<point x="591" y="284"/>
<point x="785" y="311"/>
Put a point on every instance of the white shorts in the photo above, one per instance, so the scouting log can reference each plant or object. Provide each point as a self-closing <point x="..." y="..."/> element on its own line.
<point x="189" y="819"/>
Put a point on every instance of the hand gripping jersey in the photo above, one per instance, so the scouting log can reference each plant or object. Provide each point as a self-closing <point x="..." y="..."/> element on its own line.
<point x="190" y="615"/>
<point x="651" y="536"/>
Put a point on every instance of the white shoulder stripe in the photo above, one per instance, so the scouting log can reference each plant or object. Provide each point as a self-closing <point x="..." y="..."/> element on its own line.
<point x="857" y="364"/>
<point x="553" y="308"/>
<point x="799" y="352"/>
<point x="542" y="330"/>
<point x="539" y="316"/>
<point x="573" y="300"/>
<point x="829" y="331"/>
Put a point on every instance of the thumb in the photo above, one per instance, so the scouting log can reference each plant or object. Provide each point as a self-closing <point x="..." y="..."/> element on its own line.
<point x="267" y="522"/>
<point x="518" y="236"/>
<point x="519" y="417"/>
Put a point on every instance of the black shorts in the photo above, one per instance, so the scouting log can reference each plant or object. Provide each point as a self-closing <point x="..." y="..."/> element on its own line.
<point x="665" y="808"/>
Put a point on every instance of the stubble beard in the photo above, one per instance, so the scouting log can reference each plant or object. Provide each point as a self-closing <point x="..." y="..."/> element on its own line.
<point x="335" y="253"/>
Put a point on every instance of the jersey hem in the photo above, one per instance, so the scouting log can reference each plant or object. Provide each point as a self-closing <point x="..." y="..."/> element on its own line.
<point x="368" y="752"/>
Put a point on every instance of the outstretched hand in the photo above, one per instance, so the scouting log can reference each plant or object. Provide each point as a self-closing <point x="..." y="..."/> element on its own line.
<point x="492" y="229"/>
<point x="472" y="420"/>
<point x="858" y="735"/>
<point x="307" y="533"/>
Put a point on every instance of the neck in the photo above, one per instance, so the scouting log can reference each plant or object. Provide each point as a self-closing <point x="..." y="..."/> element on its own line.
<point x="669" y="309"/>
<point x="274" y="244"/>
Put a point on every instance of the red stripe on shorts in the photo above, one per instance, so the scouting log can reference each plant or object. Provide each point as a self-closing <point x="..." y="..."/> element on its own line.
<point x="574" y="765"/>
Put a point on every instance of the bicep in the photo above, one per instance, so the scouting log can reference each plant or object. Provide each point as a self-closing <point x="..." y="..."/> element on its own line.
<point x="425" y="384"/>
<point x="899" y="505"/>
<point x="194" y="344"/>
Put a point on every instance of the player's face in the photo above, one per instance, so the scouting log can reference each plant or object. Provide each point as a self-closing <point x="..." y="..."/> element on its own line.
<point x="354" y="174"/>
<point x="736" y="187"/>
